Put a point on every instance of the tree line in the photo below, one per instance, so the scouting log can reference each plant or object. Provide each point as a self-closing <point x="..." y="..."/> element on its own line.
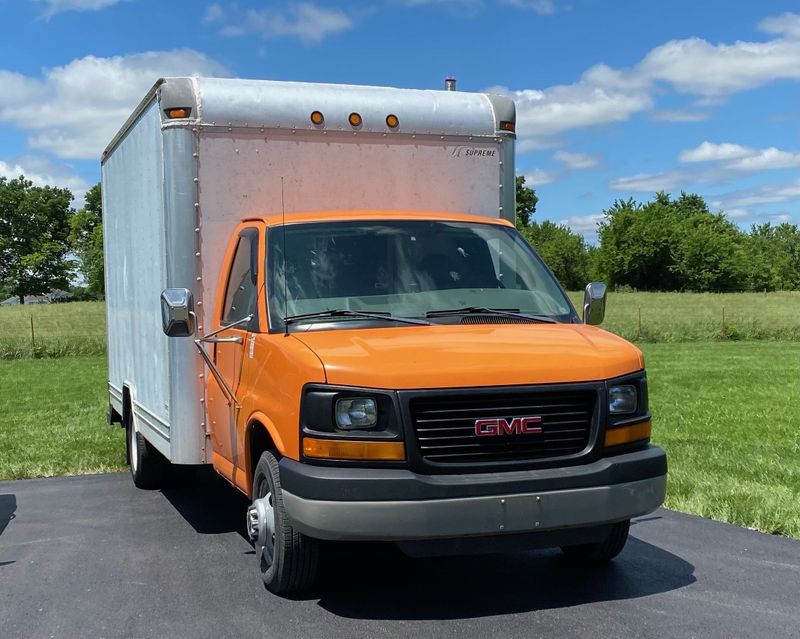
<point x="45" y="244"/>
<point x="665" y="244"/>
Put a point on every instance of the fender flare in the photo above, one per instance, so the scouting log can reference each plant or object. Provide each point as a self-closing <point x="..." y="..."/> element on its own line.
<point x="267" y="423"/>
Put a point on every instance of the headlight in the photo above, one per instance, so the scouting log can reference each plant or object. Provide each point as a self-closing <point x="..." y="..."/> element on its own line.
<point x="355" y="413"/>
<point x="621" y="399"/>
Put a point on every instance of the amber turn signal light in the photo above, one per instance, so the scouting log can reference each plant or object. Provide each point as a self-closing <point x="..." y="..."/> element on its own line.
<point x="178" y="112"/>
<point x="353" y="449"/>
<point x="505" y="125"/>
<point x="628" y="434"/>
<point x="317" y="117"/>
<point x="392" y="121"/>
<point x="354" y="119"/>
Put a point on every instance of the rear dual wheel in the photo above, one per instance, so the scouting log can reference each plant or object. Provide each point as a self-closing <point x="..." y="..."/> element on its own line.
<point x="148" y="466"/>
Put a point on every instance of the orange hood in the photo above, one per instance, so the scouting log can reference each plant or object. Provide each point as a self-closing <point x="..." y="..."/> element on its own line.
<point x="441" y="356"/>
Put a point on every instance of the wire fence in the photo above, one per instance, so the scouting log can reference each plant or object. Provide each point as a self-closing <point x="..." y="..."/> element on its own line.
<point x="78" y="328"/>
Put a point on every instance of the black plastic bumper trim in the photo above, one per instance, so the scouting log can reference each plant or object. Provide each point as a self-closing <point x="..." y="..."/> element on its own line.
<point x="384" y="484"/>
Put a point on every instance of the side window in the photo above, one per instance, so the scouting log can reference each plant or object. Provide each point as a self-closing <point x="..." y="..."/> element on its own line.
<point x="240" y="295"/>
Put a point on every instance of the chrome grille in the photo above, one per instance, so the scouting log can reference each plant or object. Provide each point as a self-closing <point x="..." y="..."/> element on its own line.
<point x="444" y="425"/>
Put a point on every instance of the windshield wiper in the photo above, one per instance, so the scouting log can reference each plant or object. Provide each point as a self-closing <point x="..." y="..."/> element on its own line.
<point x="343" y="312"/>
<point x="483" y="310"/>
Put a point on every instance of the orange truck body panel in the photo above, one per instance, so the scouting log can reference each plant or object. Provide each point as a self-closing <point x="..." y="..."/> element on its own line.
<point x="272" y="368"/>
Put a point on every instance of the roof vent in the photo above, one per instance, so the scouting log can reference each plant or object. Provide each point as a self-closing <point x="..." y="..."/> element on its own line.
<point x="450" y="84"/>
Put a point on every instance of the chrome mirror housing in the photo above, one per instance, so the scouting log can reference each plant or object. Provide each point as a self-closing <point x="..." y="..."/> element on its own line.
<point x="594" y="303"/>
<point x="177" y="312"/>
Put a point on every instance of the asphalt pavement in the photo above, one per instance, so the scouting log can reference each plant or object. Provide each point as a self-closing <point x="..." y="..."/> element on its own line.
<point x="95" y="557"/>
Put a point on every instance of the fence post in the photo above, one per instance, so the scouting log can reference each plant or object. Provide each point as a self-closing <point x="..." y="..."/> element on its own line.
<point x="639" y="332"/>
<point x="33" y="337"/>
<point x="724" y="328"/>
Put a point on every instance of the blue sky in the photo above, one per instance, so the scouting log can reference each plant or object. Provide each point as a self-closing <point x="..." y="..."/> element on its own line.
<point x="615" y="99"/>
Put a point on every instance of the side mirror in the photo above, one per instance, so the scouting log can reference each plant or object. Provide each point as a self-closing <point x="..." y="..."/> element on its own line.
<point x="594" y="303"/>
<point x="177" y="312"/>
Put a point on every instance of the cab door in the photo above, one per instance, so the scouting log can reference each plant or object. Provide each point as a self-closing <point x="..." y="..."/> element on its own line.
<point x="228" y="347"/>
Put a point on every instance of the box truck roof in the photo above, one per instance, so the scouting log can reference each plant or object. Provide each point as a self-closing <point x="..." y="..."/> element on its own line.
<point x="321" y="216"/>
<point x="290" y="105"/>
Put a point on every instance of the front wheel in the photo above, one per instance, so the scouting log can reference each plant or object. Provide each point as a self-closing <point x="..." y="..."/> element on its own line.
<point x="604" y="550"/>
<point x="286" y="558"/>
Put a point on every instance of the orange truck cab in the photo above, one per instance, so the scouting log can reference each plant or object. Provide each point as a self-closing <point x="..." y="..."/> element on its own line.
<point x="411" y="374"/>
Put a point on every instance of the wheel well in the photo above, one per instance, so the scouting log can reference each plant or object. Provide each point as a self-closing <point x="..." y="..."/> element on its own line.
<point x="258" y="440"/>
<point x="126" y="406"/>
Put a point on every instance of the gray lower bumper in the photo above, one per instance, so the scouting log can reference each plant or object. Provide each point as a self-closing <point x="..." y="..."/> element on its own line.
<point x="472" y="516"/>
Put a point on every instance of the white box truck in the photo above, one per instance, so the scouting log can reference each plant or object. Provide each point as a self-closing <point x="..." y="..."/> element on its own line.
<point x="319" y="291"/>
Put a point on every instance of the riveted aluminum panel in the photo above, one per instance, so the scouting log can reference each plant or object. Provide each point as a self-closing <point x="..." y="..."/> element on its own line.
<point x="135" y="271"/>
<point x="240" y="176"/>
<point x="186" y="387"/>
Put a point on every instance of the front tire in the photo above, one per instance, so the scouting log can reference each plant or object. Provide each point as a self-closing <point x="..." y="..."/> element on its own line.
<point x="286" y="558"/>
<point x="148" y="466"/>
<point x="605" y="550"/>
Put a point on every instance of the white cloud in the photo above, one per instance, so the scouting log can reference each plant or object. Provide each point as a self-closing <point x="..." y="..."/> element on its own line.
<point x="652" y="182"/>
<point x="766" y="159"/>
<point x="679" y="115"/>
<point x="786" y="25"/>
<point x="584" y="224"/>
<point x="538" y="177"/>
<point x="589" y="102"/>
<point x="696" y="66"/>
<point x="741" y="158"/>
<point x="709" y="152"/>
<point x="769" y="194"/>
<point x="308" y="22"/>
<point x="213" y="13"/>
<point x="52" y="7"/>
<point x="43" y="172"/>
<point x="604" y="95"/>
<point x="542" y="7"/>
<point x="576" y="160"/>
<point x="73" y="111"/>
<point x="738" y="214"/>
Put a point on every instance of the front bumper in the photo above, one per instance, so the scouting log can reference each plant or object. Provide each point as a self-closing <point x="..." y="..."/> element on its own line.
<point x="396" y="504"/>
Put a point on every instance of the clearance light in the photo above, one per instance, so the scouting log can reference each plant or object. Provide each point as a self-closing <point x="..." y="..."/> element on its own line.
<point x="628" y="434"/>
<point x="353" y="449"/>
<point x="178" y="112"/>
<point x="507" y="126"/>
<point x="392" y="121"/>
<point x="317" y="117"/>
<point x="354" y="119"/>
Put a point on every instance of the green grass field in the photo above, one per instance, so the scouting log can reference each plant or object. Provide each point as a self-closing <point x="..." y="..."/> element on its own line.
<point x="79" y="328"/>
<point x="726" y="413"/>
<point x="685" y="317"/>
<point x="53" y="419"/>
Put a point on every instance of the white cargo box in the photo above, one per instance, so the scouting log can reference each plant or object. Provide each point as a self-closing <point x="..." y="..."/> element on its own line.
<point x="174" y="189"/>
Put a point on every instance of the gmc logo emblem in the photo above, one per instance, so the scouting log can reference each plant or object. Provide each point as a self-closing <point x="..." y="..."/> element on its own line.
<point x="517" y="426"/>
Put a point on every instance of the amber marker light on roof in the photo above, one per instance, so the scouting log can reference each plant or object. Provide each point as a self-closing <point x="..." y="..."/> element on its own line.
<point x="178" y="112"/>
<point x="354" y="119"/>
<point x="505" y="125"/>
<point x="391" y="121"/>
<point x="317" y="117"/>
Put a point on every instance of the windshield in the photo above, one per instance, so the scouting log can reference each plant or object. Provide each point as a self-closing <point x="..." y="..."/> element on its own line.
<point x="405" y="268"/>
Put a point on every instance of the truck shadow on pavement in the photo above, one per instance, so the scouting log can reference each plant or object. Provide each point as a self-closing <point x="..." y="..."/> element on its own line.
<point x="8" y="506"/>
<point x="377" y="581"/>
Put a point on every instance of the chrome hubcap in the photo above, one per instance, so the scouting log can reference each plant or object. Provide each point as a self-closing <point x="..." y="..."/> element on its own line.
<point x="261" y="527"/>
